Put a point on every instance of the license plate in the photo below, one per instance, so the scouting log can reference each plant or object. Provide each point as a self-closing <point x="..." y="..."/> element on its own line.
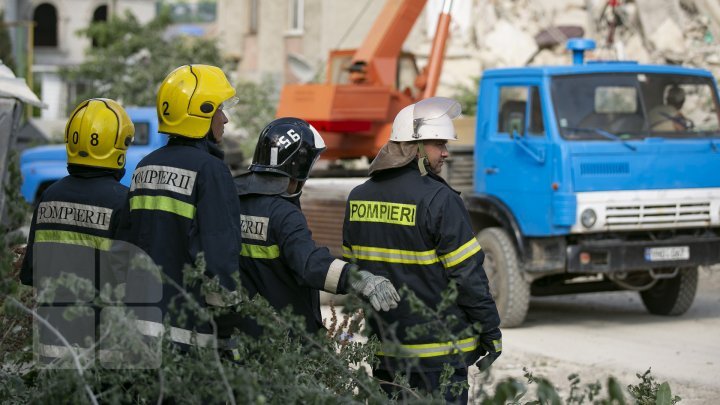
<point x="664" y="254"/>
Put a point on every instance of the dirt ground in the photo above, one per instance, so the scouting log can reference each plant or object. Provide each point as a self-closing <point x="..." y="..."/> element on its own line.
<point x="602" y="334"/>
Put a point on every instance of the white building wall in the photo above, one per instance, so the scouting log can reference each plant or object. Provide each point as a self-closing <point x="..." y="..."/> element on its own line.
<point x="72" y="16"/>
<point x="53" y="92"/>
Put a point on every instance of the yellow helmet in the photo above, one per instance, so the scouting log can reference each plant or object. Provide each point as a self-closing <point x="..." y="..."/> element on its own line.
<point x="188" y="98"/>
<point x="98" y="134"/>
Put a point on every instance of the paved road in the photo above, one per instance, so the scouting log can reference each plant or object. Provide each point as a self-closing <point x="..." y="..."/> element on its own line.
<point x="603" y="334"/>
<point x="611" y="333"/>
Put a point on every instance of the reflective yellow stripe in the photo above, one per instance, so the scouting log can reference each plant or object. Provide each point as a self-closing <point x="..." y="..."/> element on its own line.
<point x="347" y="253"/>
<point x="180" y="335"/>
<point x="73" y="238"/>
<point x="162" y="203"/>
<point x="431" y="349"/>
<point x="332" y="278"/>
<point x="58" y="352"/>
<point x="394" y="255"/>
<point x="498" y="345"/>
<point x="460" y="254"/>
<point x="260" y="252"/>
<point x="385" y="212"/>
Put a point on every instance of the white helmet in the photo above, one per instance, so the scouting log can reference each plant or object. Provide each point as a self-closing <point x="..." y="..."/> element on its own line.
<point x="427" y="119"/>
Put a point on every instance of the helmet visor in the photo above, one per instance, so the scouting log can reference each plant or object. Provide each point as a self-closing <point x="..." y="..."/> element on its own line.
<point x="429" y="109"/>
<point x="230" y="103"/>
<point x="307" y="161"/>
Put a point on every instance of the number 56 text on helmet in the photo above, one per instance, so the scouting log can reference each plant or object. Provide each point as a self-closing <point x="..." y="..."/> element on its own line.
<point x="289" y="147"/>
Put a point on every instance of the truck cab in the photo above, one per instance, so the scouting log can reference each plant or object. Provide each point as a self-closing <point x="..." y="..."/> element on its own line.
<point x="596" y="176"/>
<point x="43" y="165"/>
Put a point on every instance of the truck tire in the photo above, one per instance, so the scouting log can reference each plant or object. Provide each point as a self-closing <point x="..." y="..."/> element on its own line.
<point x="672" y="296"/>
<point x="507" y="286"/>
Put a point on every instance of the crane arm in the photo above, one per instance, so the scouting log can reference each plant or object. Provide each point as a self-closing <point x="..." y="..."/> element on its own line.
<point x="384" y="41"/>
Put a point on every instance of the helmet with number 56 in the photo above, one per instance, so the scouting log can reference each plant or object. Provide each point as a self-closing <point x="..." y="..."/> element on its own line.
<point x="289" y="147"/>
<point x="98" y="134"/>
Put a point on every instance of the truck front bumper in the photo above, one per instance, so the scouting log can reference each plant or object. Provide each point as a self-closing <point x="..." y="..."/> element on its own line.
<point x="606" y="256"/>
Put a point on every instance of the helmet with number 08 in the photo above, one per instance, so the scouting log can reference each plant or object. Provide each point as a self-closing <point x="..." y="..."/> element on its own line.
<point x="288" y="146"/>
<point x="98" y="134"/>
<point x="189" y="97"/>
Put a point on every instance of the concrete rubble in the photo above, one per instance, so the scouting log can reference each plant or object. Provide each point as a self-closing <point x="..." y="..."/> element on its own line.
<point x="506" y="33"/>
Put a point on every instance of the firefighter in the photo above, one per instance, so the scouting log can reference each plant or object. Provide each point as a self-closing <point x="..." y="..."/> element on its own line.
<point x="76" y="220"/>
<point x="279" y="258"/>
<point x="407" y="224"/>
<point x="182" y="202"/>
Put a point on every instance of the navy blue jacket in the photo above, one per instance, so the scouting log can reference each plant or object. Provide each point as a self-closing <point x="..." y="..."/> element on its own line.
<point x="415" y="231"/>
<point x="72" y="231"/>
<point x="182" y="202"/>
<point x="81" y="209"/>
<point x="280" y="260"/>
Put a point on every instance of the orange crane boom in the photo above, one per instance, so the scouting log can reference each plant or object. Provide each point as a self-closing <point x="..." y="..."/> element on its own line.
<point x="365" y="88"/>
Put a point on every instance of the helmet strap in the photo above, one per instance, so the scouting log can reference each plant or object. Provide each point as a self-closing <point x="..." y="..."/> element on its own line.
<point x="422" y="158"/>
<point x="296" y="192"/>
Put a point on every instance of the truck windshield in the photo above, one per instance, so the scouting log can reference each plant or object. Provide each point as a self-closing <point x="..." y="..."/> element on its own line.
<point x="635" y="105"/>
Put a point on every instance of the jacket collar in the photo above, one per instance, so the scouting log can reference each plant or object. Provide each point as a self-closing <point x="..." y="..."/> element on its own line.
<point x="201" y="143"/>
<point x="87" y="172"/>
<point x="412" y="167"/>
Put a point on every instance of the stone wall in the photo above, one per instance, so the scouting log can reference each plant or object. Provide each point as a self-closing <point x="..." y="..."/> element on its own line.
<point x="516" y="33"/>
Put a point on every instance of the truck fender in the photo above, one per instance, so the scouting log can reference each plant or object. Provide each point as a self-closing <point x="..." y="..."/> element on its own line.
<point x="486" y="210"/>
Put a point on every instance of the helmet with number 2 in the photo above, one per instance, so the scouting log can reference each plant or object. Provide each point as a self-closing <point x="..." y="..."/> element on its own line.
<point x="98" y="134"/>
<point x="288" y="146"/>
<point x="189" y="97"/>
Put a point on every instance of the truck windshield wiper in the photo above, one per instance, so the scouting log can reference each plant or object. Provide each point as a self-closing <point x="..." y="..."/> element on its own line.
<point x="603" y="133"/>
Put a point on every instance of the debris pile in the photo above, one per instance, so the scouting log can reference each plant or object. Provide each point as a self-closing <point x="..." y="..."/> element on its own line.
<point x="526" y="32"/>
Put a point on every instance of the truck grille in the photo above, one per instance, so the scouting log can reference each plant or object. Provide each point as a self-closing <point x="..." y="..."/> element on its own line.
<point x="632" y="216"/>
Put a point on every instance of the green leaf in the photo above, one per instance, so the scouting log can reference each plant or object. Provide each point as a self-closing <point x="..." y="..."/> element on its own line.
<point x="664" y="396"/>
<point x="615" y="391"/>
<point x="547" y="394"/>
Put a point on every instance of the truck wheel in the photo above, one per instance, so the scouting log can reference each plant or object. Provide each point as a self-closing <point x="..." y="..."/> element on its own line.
<point x="510" y="291"/>
<point x="672" y="296"/>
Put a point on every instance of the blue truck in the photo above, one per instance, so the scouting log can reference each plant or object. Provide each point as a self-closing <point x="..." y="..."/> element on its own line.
<point x="589" y="177"/>
<point x="43" y="165"/>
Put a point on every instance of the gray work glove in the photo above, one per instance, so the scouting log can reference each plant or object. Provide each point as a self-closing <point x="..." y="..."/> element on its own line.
<point x="377" y="289"/>
<point x="491" y="344"/>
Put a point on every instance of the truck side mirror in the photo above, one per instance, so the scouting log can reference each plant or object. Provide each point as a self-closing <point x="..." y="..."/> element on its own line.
<point x="516" y="123"/>
<point x="512" y="117"/>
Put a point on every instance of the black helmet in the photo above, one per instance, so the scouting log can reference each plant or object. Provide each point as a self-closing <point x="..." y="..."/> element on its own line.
<point x="287" y="146"/>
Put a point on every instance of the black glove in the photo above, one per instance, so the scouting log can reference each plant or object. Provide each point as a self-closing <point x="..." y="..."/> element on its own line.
<point x="491" y="343"/>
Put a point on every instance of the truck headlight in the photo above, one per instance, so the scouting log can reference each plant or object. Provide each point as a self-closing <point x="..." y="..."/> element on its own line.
<point x="588" y="218"/>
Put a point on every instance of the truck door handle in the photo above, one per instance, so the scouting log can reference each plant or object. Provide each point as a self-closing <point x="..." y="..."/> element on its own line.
<point x="492" y="170"/>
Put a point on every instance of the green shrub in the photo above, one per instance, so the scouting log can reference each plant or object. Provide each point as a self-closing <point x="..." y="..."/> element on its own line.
<point x="286" y="365"/>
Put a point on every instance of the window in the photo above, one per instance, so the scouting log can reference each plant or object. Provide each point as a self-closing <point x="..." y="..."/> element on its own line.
<point x="616" y="99"/>
<point x="513" y="107"/>
<point x="253" y="17"/>
<point x="633" y="106"/>
<point x="45" y="18"/>
<point x="513" y="102"/>
<point x="537" y="124"/>
<point x="99" y="15"/>
<point x="296" y="11"/>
